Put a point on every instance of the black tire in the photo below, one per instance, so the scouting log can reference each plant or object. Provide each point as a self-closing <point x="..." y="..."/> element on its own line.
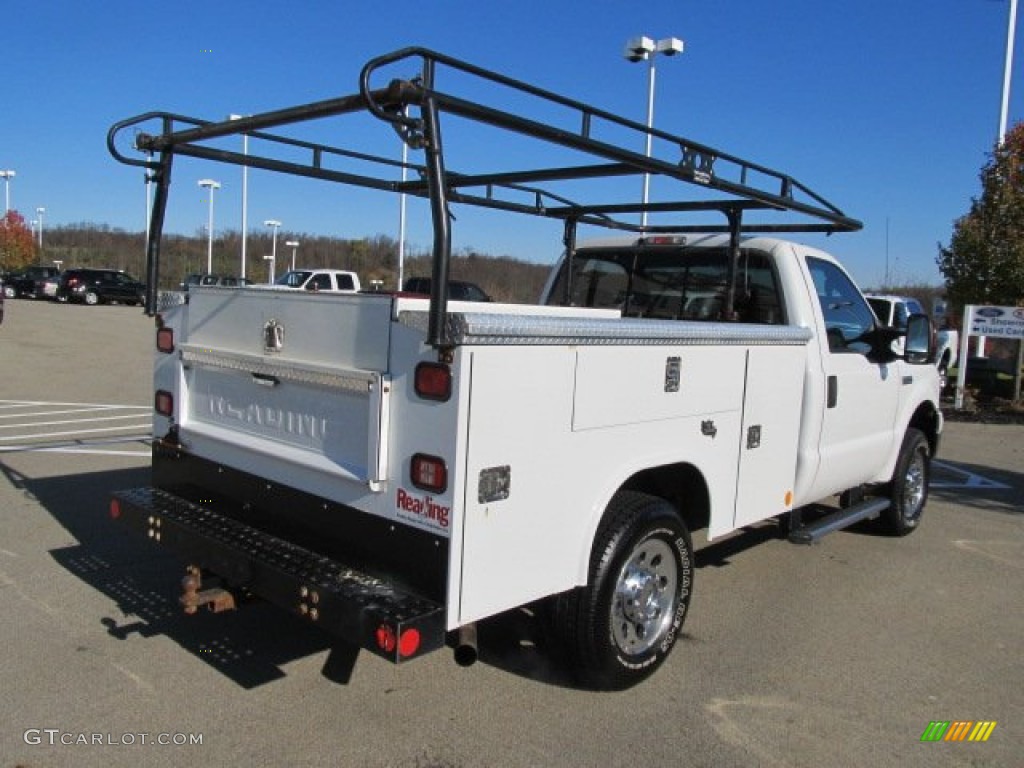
<point x="908" y="489"/>
<point x="621" y="627"/>
<point x="91" y="298"/>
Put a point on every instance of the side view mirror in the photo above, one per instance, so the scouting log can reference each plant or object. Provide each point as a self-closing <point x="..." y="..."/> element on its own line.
<point x="920" y="344"/>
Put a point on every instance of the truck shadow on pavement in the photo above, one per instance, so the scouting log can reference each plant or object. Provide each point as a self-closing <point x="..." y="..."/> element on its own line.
<point x="978" y="487"/>
<point x="249" y="646"/>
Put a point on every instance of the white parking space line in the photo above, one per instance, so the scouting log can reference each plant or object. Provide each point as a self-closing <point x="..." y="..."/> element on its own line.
<point x="65" y="411"/>
<point x="25" y="403"/>
<point x="27" y="427"/>
<point x="69" y="421"/>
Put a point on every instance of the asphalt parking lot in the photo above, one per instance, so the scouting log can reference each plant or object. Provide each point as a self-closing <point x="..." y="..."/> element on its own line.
<point x="837" y="654"/>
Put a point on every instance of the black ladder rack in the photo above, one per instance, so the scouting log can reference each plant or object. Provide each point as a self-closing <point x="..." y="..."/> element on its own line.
<point x="414" y="107"/>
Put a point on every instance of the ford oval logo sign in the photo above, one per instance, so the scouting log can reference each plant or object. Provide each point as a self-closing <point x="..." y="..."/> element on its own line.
<point x="989" y="312"/>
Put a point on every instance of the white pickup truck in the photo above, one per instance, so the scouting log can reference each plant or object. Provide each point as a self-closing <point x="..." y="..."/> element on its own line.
<point x="395" y="469"/>
<point x="896" y="310"/>
<point x="319" y="281"/>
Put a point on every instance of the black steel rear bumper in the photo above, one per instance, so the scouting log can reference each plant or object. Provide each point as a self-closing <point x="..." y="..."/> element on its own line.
<point x="363" y="610"/>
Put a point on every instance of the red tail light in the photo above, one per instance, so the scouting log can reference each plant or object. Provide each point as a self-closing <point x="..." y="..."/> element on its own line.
<point x="165" y="340"/>
<point x="409" y="642"/>
<point x="115" y="509"/>
<point x="433" y="381"/>
<point x="429" y="473"/>
<point x="386" y="638"/>
<point x="163" y="402"/>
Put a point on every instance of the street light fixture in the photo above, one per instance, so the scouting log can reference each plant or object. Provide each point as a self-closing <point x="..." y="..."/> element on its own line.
<point x="211" y="185"/>
<point x="40" y="211"/>
<point x="293" y="244"/>
<point x="274" y="224"/>
<point x="645" y="49"/>
<point x="7" y="176"/>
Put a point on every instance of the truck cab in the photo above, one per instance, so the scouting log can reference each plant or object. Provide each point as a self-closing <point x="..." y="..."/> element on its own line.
<point x="856" y="378"/>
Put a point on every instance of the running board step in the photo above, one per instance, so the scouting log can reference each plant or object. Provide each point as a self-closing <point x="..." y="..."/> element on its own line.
<point x="835" y="521"/>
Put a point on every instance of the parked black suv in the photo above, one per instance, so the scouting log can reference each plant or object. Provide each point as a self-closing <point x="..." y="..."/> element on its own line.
<point x="228" y="280"/>
<point x="28" y="282"/>
<point x="96" y="286"/>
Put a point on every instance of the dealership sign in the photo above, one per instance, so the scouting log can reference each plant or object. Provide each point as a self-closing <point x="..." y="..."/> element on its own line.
<point x="998" y="322"/>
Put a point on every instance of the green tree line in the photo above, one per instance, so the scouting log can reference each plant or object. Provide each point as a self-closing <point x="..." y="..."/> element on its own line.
<point x="373" y="258"/>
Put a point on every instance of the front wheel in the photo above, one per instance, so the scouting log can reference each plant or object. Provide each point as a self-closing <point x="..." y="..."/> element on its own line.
<point x="909" y="487"/>
<point x="621" y="626"/>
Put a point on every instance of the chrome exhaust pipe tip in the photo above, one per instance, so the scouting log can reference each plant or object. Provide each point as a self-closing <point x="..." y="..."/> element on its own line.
<point x="466" y="653"/>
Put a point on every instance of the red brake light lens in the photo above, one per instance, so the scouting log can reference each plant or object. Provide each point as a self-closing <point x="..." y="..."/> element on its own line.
<point x="164" y="403"/>
<point x="115" y="509"/>
<point x="433" y="381"/>
<point x="386" y="638"/>
<point x="409" y="642"/>
<point x="429" y="473"/>
<point x="165" y="340"/>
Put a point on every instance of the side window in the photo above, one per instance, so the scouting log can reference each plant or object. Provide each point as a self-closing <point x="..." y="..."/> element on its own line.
<point x="847" y="314"/>
<point x="345" y="282"/>
<point x="596" y="283"/>
<point x="900" y="321"/>
<point x="320" y="282"/>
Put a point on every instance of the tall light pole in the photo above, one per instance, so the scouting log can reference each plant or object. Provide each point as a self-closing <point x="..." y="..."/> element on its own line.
<point x="1005" y="110"/>
<point x="245" y="192"/>
<point x="211" y="185"/>
<point x="7" y="176"/>
<point x="645" y="49"/>
<point x="40" y="211"/>
<point x="274" y="224"/>
<point x="293" y="244"/>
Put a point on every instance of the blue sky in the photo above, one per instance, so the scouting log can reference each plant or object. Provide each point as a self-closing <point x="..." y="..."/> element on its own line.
<point x="886" y="107"/>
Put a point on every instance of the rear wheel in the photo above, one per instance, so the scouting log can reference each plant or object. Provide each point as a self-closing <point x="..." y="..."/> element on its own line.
<point x="909" y="487"/>
<point x="9" y="292"/>
<point x="92" y="298"/>
<point x="621" y="626"/>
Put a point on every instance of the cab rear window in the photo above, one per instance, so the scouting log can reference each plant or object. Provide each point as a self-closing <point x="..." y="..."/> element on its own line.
<point x="671" y="284"/>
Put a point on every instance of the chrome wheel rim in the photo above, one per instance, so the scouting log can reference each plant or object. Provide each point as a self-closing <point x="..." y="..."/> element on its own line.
<point x="914" y="484"/>
<point x="643" y="602"/>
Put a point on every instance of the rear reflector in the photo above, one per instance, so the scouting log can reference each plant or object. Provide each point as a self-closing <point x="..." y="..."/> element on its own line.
<point x="429" y="473"/>
<point x="409" y="642"/>
<point x="165" y="340"/>
<point x="386" y="639"/>
<point x="433" y="381"/>
<point x="163" y="402"/>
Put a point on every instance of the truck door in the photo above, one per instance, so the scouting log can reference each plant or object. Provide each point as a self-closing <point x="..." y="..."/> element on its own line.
<point x="861" y="394"/>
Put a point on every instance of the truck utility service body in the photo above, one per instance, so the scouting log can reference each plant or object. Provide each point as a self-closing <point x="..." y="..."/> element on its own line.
<point x="396" y="468"/>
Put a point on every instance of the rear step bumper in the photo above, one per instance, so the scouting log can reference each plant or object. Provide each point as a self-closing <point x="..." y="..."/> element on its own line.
<point x="361" y="609"/>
